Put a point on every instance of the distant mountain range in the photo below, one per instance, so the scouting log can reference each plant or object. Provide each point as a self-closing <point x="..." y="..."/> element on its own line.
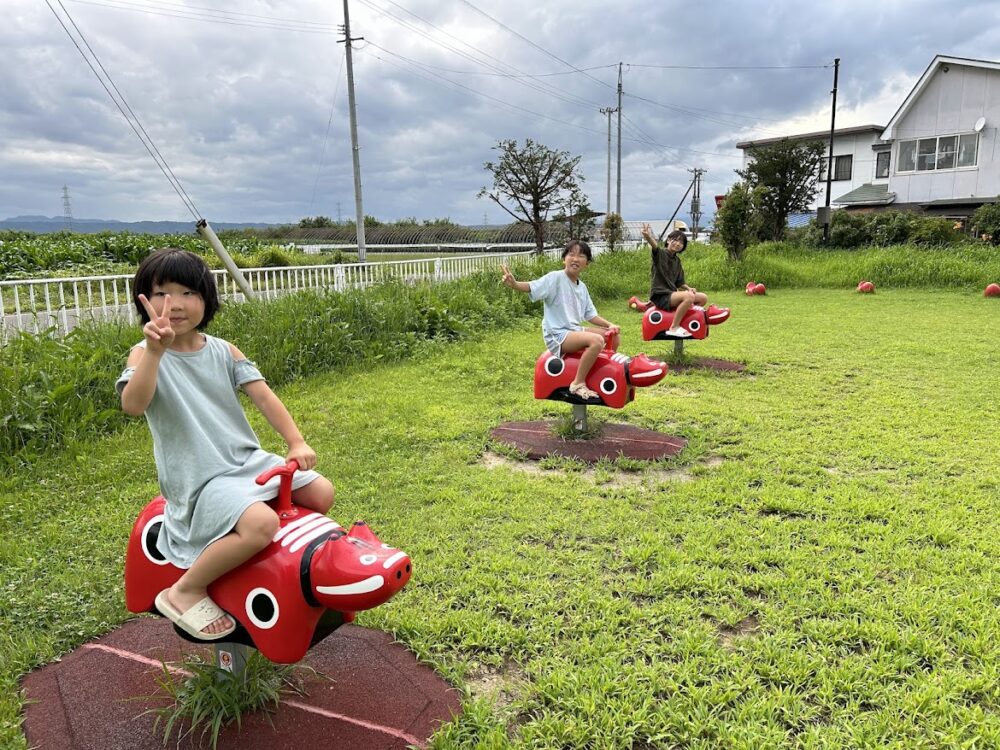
<point x="43" y="224"/>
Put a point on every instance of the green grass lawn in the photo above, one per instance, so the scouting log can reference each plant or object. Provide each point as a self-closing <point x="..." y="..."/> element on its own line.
<point x="824" y="573"/>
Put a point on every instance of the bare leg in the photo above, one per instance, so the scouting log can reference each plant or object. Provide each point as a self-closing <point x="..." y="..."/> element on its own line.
<point x="253" y="532"/>
<point x="681" y="302"/>
<point x="700" y="298"/>
<point x="592" y="342"/>
<point x="317" y="495"/>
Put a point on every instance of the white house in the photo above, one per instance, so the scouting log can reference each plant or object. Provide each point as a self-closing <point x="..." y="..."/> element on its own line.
<point x="853" y="157"/>
<point x="939" y="154"/>
<point x="943" y="139"/>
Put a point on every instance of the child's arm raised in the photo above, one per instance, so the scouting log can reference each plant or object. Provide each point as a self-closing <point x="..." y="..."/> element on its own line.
<point x="647" y="234"/>
<point x="159" y="334"/>
<point x="278" y="417"/>
<point x="509" y="280"/>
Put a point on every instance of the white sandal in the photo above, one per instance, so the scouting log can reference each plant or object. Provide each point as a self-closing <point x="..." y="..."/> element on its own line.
<point x="581" y="390"/>
<point x="196" y="618"/>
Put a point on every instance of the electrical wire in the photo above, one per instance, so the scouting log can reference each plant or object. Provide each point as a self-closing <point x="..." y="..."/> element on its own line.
<point x="195" y="16"/>
<point x="122" y="105"/>
<point x="329" y="122"/>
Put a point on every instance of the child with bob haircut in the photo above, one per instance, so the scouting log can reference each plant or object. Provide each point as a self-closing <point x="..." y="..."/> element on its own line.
<point x="567" y="304"/>
<point x="207" y="456"/>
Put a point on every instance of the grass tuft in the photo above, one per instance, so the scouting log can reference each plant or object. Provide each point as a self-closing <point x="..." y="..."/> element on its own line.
<point x="208" y="698"/>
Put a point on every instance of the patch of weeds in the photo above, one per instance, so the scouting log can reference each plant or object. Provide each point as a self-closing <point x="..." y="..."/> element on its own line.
<point x="565" y="428"/>
<point x="209" y="698"/>
<point x="562" y="463"/>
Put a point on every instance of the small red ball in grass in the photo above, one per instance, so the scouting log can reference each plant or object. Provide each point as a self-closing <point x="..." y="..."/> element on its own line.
<point x="759" y="289"/>
<point x="993" y="290"/>
<point x="866" y="287"/>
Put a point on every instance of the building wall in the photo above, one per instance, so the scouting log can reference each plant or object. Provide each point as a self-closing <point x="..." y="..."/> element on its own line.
<point x="859" y="146"/>
<point x="950" y="104"/>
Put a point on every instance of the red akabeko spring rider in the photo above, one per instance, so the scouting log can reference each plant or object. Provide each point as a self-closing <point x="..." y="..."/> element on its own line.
<point x="656" y="323"/>
<point x="614" y="376"/>
<point x="312" y="577"/>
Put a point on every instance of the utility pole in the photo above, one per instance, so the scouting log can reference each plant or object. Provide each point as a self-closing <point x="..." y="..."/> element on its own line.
<point x="338" y="212"/>
<point x="618" y="201"/>
<point x="696" y="201"/>
<point x="829" y="164"/>
<point x="607" y="111"/>
<point x="358" y="207"/>
<point x="67" y="210"/>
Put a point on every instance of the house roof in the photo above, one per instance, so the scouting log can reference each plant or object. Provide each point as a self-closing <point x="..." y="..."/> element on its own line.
<point x="866" y="195"/>
<point x="938" y="62"/>
<point x="959" y="201"/>
<point x="811" y="136"/>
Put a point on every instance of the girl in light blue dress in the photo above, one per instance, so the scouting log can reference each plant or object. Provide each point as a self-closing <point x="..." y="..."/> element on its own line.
<point x="566" y="306"/>
<point x="207" y="455"/>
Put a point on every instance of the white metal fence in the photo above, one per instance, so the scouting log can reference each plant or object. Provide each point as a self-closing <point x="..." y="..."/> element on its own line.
<point x="55" y="305"/>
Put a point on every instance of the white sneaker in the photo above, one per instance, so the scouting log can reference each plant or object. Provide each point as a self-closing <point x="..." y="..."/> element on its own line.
<point x="680" y="333"/>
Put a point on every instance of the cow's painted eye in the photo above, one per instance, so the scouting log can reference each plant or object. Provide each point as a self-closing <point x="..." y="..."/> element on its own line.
<point x="367" y="559"/>
<point x="262" y="608"/>
<point x="655" y="318"/>
<point x="150" y="533"/>
<point x="608" y="386"/>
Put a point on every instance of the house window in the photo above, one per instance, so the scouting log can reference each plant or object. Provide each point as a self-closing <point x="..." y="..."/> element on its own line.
<point x="842" y="167"/>
<point x="882" y="164"/>
<point x="907" y="156"/>
<point x="943" y="152"/>
<point x="967" y="146"/>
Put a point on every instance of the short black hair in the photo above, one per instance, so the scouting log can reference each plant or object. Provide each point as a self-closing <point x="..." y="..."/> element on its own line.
<point x="171" y="264"/>
<point x="584" y="248"/>
<point x="677" y="234"/>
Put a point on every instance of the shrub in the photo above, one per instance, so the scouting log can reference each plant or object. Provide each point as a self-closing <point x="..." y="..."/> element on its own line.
<point x="738" y="220"/>
<point x="272" y="257"/>
<point x="986" y="222"/>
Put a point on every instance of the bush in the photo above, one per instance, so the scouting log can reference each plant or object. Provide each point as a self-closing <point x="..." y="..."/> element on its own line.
<point x="850" y="229"/>
<point x="272" y="257"/>
<point x="986" y="222"/>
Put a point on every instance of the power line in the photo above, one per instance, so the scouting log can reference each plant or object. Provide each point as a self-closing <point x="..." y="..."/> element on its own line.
<point x="195" y="16"/>
<point x="326" y="136"/>
<point x="122" y="104"/>
<point x="536" y="46"/>
<point x="730" y="67"/>
<point x="500" y="66"/>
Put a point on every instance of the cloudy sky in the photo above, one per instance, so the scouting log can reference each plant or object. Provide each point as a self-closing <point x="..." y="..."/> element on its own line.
<point x="246" y="100"/>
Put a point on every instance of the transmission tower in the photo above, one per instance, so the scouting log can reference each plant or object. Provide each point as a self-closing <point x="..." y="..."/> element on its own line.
<point x="67" y="210"/>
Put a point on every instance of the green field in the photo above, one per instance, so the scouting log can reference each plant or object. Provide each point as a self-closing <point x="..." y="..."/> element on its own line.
<point x="818" y="569"/>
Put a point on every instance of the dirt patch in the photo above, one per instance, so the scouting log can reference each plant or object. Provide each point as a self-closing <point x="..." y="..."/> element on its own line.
<point x="600" y="476"/>
<point x="728" y="635"/>
<point x="500" y="686"/>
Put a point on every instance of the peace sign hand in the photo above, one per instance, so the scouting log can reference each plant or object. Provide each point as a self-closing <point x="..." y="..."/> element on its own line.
<point x="158" y="333"/>
<point x="508" y="277"/>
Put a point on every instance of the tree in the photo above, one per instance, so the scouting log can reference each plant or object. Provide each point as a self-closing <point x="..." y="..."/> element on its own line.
<point x="786" y="174"/>
<point x="537" y="181"/>
<point x="736" y="221"/>
<point x="613" y="230"/>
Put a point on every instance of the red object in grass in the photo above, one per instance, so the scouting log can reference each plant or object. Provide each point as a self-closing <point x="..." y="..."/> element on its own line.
<point x="637" y="304"/>
<point x="866" y="287"/>
<point x="750" y="287"/>
<point x="993" y="290"/>
<point x="280" y="597"/>
<point x="759" y="289"/>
